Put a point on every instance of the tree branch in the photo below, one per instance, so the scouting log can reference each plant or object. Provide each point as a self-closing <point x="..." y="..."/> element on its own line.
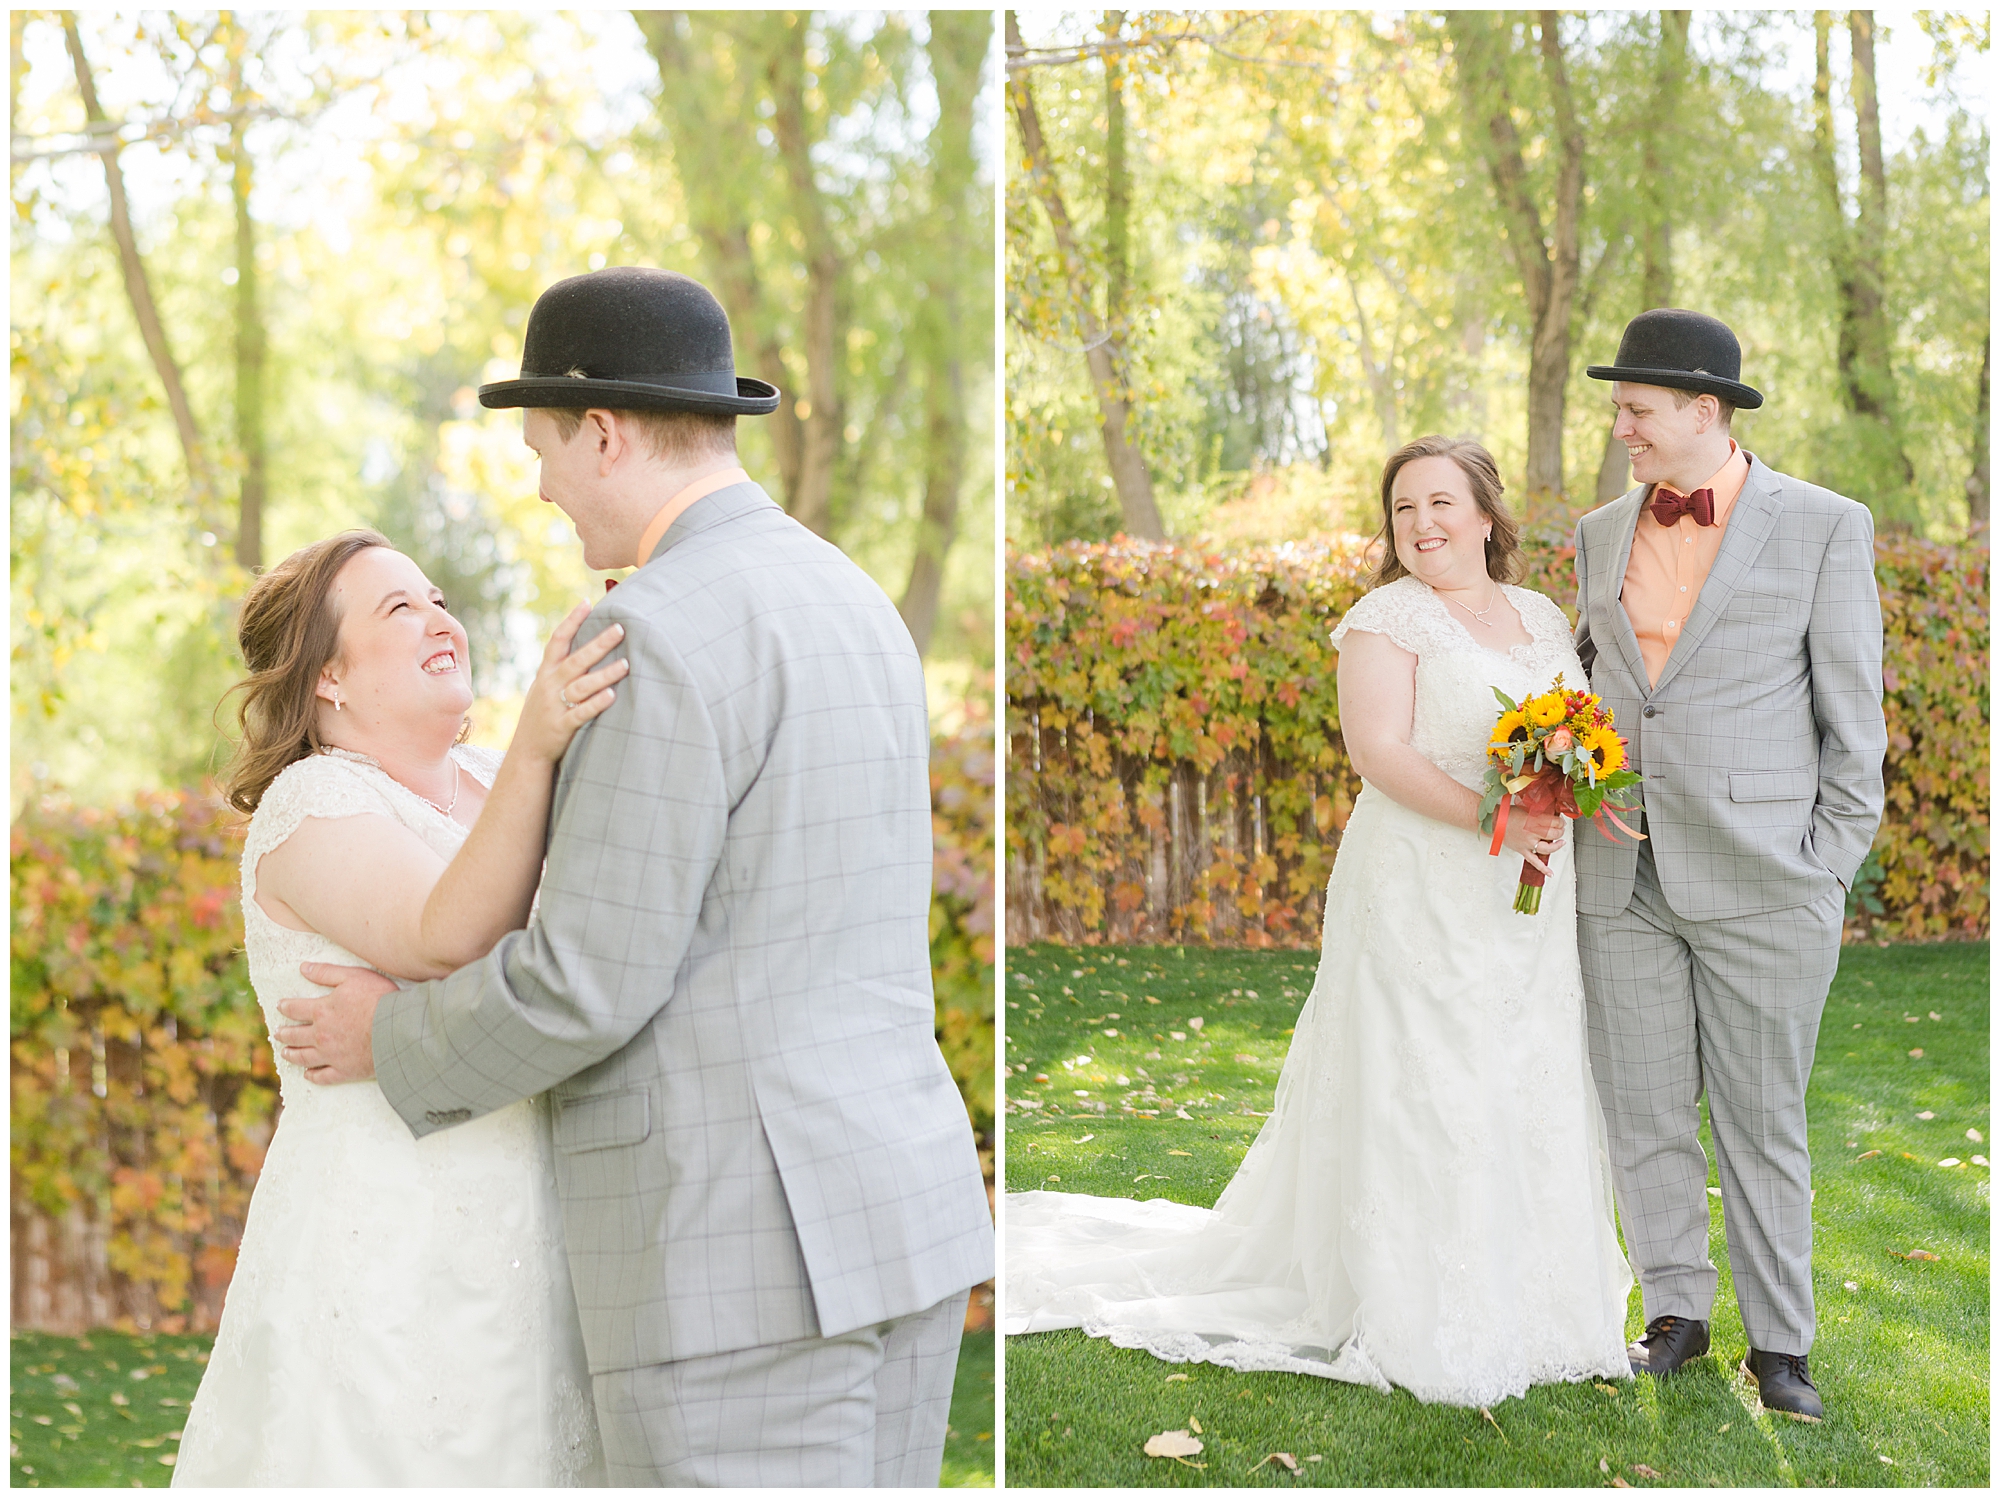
<point x="137" y="288"/>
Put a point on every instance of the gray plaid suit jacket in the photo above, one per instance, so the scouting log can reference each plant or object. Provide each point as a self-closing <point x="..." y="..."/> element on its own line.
<point x="1762" y="743"/>
<point x="726" y="989"/>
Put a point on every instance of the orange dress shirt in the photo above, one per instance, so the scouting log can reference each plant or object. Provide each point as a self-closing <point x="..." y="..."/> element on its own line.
<point x="1670" y="563"/>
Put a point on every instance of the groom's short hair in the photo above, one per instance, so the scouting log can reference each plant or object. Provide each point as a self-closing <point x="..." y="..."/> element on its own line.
<point x="671" y="436"/>
<point x="1682" y="397"/>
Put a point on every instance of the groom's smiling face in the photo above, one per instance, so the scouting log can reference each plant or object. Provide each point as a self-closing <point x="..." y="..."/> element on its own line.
<point x="570" y="480"/>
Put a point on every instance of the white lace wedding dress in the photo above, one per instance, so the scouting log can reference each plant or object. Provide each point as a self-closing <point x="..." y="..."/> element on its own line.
<point x="1429" y="1203"/>
<point x="401" y="1311"/>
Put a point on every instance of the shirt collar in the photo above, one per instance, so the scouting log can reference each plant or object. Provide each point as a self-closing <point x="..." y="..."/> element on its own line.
<point x="701" y="488"/>
<point x="1727" y="481"/>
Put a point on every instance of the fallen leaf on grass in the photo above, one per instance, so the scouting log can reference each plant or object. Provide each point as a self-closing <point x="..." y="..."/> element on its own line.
<point x="1927" y="1115"/>
<point x="1183" y="1153"/>
<point x="1177" y="1444"/>
<point x="1917" y="1054"/>
<point x="1975" y="1136"/>
<point x="1884" y="1460"/>
<point x="1640" y="1469"/>
<point x="1315" y="1458"/>
<point x="1487" y="1415"/>
<point x="1619" y="1482"/>
<point x="1725" y="1427"/>
<point x="1194" y="1425"/>
<point x="1869" y="1156"/>
<point x="1611" y="1389"/>
<point x="1979" y="1160"/>
<point x="1283" y="1458"/>
<point x="1949" y="1161"/>
<point x="1921" y="1255"/>
<point x="1086" y="1139"/>
<point x="1177" y="1378"/>
<point x="1849" y="1285"/>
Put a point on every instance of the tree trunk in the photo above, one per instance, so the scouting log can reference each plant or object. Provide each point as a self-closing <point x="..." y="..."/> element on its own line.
<point x="1117" y="187"/>
<point x="1874" y="376"/>
<point x="1548" y="263"/>
<point x="1657" y="283"/>
<point x="821" y="413"/>
<point x="137" y="288"/>
<point x="959" y="42"/>
<point x="1614" y="469"/>
<point x="1102" y="350"/>
<point x="251" y="344"/>
<point x="1979" y="484"/>
<point x="720" y="218"/>
<point x="1826" y="164"/>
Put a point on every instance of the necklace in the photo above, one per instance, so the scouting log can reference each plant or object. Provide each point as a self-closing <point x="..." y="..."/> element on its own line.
<point x="1480" y="614"/>
<point x="445" y="810"/>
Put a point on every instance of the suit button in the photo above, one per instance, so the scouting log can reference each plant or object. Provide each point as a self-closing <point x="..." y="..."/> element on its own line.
<point x="1650" y="711"/>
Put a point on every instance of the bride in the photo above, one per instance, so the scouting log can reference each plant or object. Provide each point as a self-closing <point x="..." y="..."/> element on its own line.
<point x="400" y="1311"/>
<point x="1428" y="1204"/>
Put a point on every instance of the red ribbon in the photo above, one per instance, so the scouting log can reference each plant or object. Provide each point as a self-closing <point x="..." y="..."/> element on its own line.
<point x="1551" y="791"/>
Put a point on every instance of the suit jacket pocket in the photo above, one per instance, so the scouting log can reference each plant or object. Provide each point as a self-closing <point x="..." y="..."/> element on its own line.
<point x="1774" y="785"/>
<point x="605" y="1120"/>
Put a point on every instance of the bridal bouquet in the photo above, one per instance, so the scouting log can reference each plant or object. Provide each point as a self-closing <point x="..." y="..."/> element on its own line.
<point x="1557" y="752"/>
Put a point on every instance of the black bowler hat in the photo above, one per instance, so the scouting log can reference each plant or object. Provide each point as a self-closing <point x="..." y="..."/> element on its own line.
<point x="644" y="340"/>
<point x="1683" y="351"/>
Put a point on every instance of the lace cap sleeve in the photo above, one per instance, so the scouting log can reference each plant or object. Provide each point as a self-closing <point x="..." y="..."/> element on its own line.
<point x="1405" y="611"/>
<point x="316" y="786"/>
<point x="481" y="762"/>
<point x="1543" y="616"/>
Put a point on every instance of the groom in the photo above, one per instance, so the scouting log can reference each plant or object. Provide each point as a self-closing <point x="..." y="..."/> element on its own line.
<point x="773" y="1205"/>
<point x="1728" y="615"/>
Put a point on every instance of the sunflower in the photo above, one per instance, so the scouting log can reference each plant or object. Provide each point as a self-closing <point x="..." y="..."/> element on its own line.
<point x="1606" y="748"/>
<point x="1546" y="710"/>
<point x="1512" y="729"/>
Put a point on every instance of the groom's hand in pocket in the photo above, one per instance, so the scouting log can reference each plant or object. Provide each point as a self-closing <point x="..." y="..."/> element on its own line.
<point x="331" y="1036"/>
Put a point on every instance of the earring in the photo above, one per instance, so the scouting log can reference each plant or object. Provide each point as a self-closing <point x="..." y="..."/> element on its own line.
<point x="336" y="699"/>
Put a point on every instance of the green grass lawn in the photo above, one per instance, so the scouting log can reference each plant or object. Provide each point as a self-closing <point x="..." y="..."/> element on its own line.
<point x="102" y="1411"/>
<point x="106" y="1410"/>
<point x="968" y="1441"/>
<point x="1103" y="1098"/>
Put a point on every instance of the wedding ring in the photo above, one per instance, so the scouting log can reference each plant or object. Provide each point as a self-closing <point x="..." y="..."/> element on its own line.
<point x="564" y="696"/>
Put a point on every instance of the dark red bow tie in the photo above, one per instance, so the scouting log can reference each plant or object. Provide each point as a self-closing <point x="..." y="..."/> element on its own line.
<point x="1668" y="506"/>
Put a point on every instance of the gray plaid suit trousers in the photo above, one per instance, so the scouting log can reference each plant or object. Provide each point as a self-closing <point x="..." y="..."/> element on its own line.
<point x="726" y="987"/>
<point x="1707" y="953"/>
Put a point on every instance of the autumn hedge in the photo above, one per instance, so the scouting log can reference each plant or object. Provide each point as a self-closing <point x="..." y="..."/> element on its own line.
<point x="1176" y="772"/>
<point x="143" y="1090"/>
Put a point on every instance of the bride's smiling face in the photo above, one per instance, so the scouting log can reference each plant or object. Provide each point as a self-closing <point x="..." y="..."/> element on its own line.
<point x="402" y="655"/>
<point x="1439" y="528"/>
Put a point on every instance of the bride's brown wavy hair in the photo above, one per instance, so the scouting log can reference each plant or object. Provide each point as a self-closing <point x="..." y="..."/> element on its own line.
<point x="289" y="632"/>
<point x="1503" y="547"/>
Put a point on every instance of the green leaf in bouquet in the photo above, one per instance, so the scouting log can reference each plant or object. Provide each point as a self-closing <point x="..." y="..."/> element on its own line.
<point x="1507" y="702"/>
<point x="1489" y="801"/>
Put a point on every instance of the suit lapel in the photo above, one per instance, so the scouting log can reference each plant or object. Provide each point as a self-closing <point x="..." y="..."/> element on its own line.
<point x="1751" y="521"/>
<point x="1611" y="582"/>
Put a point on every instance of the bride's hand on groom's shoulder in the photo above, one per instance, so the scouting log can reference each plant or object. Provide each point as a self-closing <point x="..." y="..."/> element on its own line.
<point x="567" y="692"/>
<point x="331" y="1036"/>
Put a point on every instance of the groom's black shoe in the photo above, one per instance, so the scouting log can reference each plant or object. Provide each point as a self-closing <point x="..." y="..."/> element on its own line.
<point x="1783" y="1384"/>
<point x="1670" y="1342"/>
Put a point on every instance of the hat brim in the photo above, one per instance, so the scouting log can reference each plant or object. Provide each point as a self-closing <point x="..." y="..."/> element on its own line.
<point x="1735" y="392"/>
<point x="752" y="398"/>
